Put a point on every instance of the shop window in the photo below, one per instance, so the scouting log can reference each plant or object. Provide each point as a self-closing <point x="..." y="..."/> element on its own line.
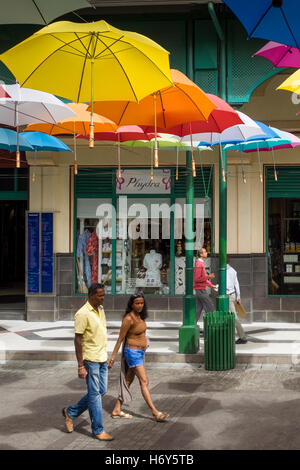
<point x="143" y="258"/>
<point x="202" y="238"/>
<point x="93" y="244"/>
<point x="284" y="246"/>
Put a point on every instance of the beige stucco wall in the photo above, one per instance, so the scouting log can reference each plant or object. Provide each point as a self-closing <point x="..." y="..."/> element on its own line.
<point x="246" y="212"/>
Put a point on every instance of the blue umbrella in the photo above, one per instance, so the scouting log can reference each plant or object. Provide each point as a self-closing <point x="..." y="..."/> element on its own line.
<point x="275" y="20"/>
<point x="41" y="141"/>
<point x="8" y="141"/>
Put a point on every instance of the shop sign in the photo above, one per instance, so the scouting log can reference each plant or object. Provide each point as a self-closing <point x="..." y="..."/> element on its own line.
<point x="139" y="182"/>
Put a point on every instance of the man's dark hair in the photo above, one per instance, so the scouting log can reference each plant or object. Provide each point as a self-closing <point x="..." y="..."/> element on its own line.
<point x="94" y="287"/>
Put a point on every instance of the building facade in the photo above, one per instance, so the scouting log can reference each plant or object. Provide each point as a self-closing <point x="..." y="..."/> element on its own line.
<point x="210" y="46"/>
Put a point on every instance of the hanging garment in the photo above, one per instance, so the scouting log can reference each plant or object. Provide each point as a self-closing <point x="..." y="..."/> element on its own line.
<point x="92" y="249"/>
<point x="82" y="242"/>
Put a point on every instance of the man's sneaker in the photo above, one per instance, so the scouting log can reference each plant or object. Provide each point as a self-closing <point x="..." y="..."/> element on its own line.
<point x="68" y="420"/>
<point x="241" y="341"/>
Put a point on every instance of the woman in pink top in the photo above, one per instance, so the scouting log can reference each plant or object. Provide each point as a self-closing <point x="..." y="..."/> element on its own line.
<point x="201" y="280"/>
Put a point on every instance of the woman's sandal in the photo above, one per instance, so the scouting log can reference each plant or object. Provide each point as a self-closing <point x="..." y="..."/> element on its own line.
<point x="161" y="416"/>
<point x="121" y="415"/>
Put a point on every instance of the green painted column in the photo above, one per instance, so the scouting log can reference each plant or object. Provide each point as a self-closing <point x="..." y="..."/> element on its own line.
<point x="189" y="332"/>
<point x="222" y="298"/>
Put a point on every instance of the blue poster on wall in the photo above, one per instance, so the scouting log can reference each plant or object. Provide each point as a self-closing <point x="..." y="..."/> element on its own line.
<point x="40" y="259"/>
<point x="47" y="253"/>
<point x="33" y="253"/>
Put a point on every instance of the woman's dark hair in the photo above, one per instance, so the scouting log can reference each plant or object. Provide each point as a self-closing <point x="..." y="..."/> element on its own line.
<point x="144" y="312"/>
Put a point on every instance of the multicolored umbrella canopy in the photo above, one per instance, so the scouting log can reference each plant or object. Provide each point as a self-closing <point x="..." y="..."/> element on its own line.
<point x="79" y="123"/>
<point x="37" y="11"/>
<point x="280" y="55"/>
<point x="275" y="20"/>
<point x="234" y="134"/>
<point x="122" y="134"/>
<point x="182" y="102"/>
<point x="24" y="106"/>
<point x="93" y="61"/>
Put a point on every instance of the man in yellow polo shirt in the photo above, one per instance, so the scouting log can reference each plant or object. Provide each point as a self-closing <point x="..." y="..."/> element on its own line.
<point x="90" y="347"/>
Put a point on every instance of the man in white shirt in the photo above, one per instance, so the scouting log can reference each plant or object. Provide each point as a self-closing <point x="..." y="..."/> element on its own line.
<point x="233" y="292"/>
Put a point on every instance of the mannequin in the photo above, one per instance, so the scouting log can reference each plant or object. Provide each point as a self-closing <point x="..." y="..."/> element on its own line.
<point x="153" y="263"/>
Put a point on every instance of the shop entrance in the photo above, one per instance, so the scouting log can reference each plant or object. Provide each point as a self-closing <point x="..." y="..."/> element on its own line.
<point x="12" y="252"/>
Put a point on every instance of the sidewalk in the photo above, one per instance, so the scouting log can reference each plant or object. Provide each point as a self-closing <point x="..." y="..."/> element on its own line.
<point x="267" y="342"/>
<point x="249" y="407"/>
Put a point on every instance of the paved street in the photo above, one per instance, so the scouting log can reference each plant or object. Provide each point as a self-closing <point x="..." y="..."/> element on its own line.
<point x="254" y="406"/>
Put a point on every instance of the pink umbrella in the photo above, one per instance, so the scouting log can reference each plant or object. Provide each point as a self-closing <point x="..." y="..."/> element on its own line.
<point x="280" y="55"/>
<point x="122" y="134"/>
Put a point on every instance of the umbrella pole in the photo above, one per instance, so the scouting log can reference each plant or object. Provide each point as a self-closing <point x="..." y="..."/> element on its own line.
<point x="75" y="153"/>
<point x="259" y="165"/>
<point x="92" y="141"/>
<point x="155" y="133"/>
<point x="119" y="158"/>
<point x="34" y="167"/>
<point x="243" y="172"/>
<point x="192" y="149"/>
<point x="18" y="160"/>
<point x="177" y="153"/>
<point x="275" y="172"/>
<point x="151" y="170"/>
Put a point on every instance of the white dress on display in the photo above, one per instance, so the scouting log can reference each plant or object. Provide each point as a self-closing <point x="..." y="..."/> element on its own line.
<point x="153" y="263"/>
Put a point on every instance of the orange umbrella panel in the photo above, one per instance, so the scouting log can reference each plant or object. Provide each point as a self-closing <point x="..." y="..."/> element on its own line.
<point x="178" y="104"/>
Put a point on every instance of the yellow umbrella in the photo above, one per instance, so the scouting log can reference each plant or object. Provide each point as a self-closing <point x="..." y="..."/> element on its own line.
<point x="87" y="62"/>
<point x="292" y="83"/>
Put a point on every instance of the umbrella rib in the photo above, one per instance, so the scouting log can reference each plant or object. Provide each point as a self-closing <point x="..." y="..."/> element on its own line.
<point x="68" y="44"/>
<point x="260" y="20"/>
<point x="286" y="21"/>
<point x="83" y="69"/>
<point x="162" y="107"/>
<point x="99" y="39"/>
<point x="123" y="112"/>
<point x="41" y="63"/>
<point x="79" y="39"/>
<point x="108" y="47"/>
<point x="192" y="101"/>
<point x="39" y="11"/>
<point x="287" y="50"/>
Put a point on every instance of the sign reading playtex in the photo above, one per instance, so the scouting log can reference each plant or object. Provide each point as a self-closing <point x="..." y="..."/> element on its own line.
<point x="139" y="182"/>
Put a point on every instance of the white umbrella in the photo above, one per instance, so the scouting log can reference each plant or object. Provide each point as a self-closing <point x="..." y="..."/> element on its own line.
<point x="26" y="106"/>
<point x="231" y="135"/>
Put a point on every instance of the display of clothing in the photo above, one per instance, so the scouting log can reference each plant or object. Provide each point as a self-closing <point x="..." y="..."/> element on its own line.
<point x="92" y="250"/>
<point x="82" y="242"/>
<point x="153" y="263"/>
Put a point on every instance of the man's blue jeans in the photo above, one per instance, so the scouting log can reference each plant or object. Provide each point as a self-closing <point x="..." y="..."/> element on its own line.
<point x="96" y="381"/>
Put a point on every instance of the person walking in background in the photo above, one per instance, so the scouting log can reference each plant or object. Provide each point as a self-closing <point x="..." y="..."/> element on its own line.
<point x="201" y="281"/>
<point x="90" y="347"/>
<point x="133" y="336"/>
<point x="233" y="292"/>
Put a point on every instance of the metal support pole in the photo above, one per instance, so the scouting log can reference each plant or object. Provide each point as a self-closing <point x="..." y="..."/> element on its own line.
<point x="222" y="298"/>
<point x="189" y="332"/>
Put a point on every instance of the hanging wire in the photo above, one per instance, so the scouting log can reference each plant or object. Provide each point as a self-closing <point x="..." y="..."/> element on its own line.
<point x="34" y="167"/>
<point x="222" y="164"/>
<point x="275" y="172"/>
<point x="243" y="172"/>
<point x="259" y="165"/>
<point x="75" y="153"/>
<point x="192" y="148"/>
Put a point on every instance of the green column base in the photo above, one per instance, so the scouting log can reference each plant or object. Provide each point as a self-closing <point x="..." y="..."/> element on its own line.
<point x="222" y="303"/>
<point x="189" y="339"/>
